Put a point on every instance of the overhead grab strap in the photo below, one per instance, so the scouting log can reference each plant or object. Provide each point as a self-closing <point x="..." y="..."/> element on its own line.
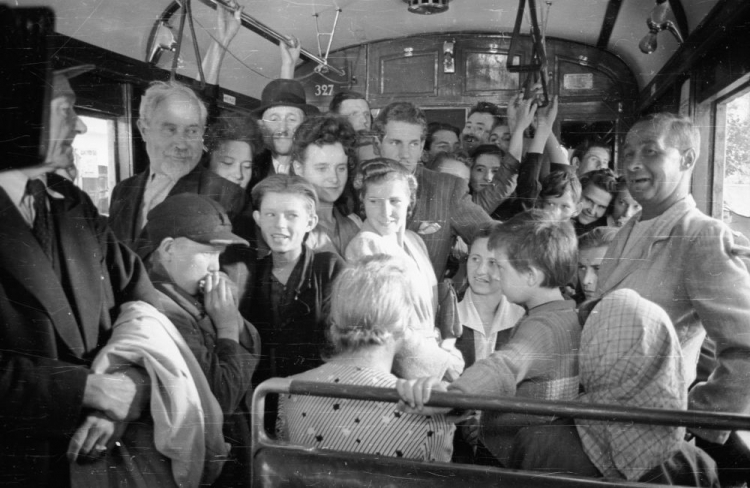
<point x="537" y="65"/>
<point x="330" y="37"/>
<point x="185" y="12"/>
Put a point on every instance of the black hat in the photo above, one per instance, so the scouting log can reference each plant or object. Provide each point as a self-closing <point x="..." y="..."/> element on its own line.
<point x="287" y="93"/>
<point x="196" y="217"/>
<point x="60" y="78"/>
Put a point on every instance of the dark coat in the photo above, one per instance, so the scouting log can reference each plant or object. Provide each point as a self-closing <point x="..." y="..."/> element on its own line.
<point x="292" y="342"/>
<point x="50" y="329"/>
<point x="228" y="367"/>
<point x="127" y="199"/>
<point x="262" y="167"/>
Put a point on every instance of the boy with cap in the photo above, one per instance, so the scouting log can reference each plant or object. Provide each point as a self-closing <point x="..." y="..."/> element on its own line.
<point x="182" y="242"/>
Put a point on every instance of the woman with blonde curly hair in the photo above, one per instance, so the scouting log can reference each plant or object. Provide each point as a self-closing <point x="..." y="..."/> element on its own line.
<point x="372" y="312"/>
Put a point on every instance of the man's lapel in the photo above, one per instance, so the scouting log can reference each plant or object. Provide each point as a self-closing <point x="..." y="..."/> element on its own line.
<point x="81" y="259"/>
<point x="22" y="257"/>
<point x="617" y="265"/>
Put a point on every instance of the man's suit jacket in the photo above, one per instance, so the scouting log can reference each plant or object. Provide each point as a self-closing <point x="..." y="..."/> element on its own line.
<point x="443" y="199"/>
<point x="692" y="266"/>
<point x="50" y="329"/>
<point x="127" y="199"/>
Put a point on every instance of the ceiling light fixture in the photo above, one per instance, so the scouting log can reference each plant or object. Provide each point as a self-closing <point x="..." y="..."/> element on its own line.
<point x="657" y="22"/>
<point x="427" y="7"/>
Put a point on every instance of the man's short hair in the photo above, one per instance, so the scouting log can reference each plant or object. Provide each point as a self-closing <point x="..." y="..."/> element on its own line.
<point x="343" y="96"/>
<point x="401" y="112"/>
<point x="323" y="130"/>
<point x="532" y="239"/>
<point x="231" y="126"/>
<point x="286" y="185"/>
<point x="434" y="127"/>
<point x="680" y="131"/>
<point x="496" y="112"/>
<point x="159" y="91"/>
<point x="583" y="148"/>
<point x="458" y="155"/>
<point x="603" y="178"/>
<point x="555" y="184"/>
<point x="597" y="237"/>
<point x="492" y="149"/>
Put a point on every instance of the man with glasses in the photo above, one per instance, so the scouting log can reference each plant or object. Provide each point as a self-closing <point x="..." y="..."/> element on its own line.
<point x="283" y="108"/>
<point x="172" y="122"/>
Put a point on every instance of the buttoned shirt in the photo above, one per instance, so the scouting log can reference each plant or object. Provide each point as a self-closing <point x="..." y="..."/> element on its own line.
<point x="506" y="316"/>
<point x="281" y="168"/>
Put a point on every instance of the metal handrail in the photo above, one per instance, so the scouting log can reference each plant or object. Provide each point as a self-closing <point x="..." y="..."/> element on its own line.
<point x="270" y="34"/>
<point x="610" y="413"/>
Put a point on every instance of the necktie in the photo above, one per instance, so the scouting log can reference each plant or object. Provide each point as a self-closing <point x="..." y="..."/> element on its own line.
<point x="42" y="228"/>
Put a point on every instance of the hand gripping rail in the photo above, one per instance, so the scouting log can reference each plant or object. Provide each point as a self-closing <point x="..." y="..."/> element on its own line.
<point x="270" y="34"/>
<point x="276" y="463"/>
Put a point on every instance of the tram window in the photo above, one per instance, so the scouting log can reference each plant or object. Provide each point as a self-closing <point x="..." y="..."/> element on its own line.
<point x="95" y="160"/>
<point x="735" y="115"/>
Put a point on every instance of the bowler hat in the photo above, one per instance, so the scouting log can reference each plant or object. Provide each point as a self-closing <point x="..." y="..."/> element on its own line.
<point x="287" y="93"/>
<point x="196" y="217"/>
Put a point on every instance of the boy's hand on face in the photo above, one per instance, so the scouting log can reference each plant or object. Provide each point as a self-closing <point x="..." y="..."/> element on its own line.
<point x="221" y="306"/>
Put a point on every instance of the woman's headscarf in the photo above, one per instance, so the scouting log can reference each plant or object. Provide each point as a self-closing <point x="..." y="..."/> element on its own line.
<point x="630" y="356"/>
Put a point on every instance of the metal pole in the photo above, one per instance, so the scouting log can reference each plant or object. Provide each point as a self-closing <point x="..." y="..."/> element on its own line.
<point x="607" y="413"/>
<point x="270" y="34"/>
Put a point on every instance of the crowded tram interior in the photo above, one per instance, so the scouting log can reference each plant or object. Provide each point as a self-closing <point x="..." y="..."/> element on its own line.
<point x="375" y="243"/>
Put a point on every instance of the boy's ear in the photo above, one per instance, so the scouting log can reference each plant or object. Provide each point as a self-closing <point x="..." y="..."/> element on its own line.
<point x="297" y="168"/>
<point x="575" y="162"/>
<point x="313" y="221"/>
<point x="256" y="216"/>
<point x="166" y="246"/>
<point x="534" y="276"/>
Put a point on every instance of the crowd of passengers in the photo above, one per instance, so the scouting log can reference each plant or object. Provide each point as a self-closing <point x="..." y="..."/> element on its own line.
<point x="387" y="252"/>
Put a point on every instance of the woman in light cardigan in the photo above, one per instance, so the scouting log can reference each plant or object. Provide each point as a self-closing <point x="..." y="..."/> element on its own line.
<point x="388" y="193"/>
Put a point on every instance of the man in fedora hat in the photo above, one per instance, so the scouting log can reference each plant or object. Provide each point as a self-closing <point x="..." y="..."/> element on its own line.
<point x="63" y="276"/>
<point x="283" y="108"/>
<point x="283" y="104"/>
<point x="172" y="121"/>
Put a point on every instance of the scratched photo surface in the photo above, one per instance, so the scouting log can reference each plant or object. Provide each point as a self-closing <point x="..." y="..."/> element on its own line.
<point x="374" y="243"/>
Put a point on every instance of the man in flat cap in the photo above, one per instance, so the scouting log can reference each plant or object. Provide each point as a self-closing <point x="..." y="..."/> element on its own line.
<point x="63" y="276"/>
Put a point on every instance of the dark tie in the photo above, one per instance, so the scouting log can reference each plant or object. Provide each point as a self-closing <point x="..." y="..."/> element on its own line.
<point x="42" y="228"/>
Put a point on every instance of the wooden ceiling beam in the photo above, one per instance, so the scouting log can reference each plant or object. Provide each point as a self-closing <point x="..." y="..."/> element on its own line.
<point x="610" y="17"/>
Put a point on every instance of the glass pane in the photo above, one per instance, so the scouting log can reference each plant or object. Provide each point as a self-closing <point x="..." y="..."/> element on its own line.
<point x="489" y="72"/>
<point x="736" y="210"/>
<point x="95" y="160"/>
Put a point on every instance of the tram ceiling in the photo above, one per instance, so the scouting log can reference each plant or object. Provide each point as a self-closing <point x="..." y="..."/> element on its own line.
<point x="615" y="25"/>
